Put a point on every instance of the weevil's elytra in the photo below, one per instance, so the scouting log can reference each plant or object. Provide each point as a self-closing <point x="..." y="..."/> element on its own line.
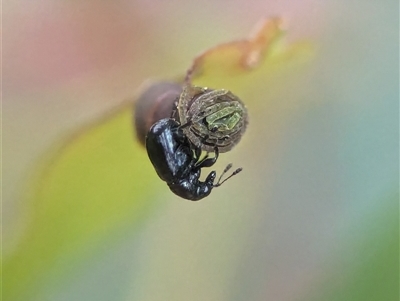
<point x="217" y="117"/>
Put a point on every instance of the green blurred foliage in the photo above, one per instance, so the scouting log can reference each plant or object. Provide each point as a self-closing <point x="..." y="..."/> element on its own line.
<point x="373" y="272"/>
<point x="92" y="186"/>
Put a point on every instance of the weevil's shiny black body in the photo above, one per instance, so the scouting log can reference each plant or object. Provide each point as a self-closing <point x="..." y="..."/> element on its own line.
<point x="177" y="161"/>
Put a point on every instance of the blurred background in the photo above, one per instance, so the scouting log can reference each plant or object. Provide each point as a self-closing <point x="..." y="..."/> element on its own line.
<point x="314" y="214"/>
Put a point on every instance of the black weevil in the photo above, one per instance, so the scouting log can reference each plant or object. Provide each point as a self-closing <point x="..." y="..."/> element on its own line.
<point x="177" y="161"/>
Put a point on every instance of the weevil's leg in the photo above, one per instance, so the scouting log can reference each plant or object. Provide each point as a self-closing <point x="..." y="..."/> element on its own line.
<point x="200" y="162"/>
<point x="197" y="153"/>
<point x="208" y="162"/>
<point x="227" y="168"/>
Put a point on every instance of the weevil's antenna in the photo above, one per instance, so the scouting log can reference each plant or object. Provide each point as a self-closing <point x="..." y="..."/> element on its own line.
<point x="227" y="168"/>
